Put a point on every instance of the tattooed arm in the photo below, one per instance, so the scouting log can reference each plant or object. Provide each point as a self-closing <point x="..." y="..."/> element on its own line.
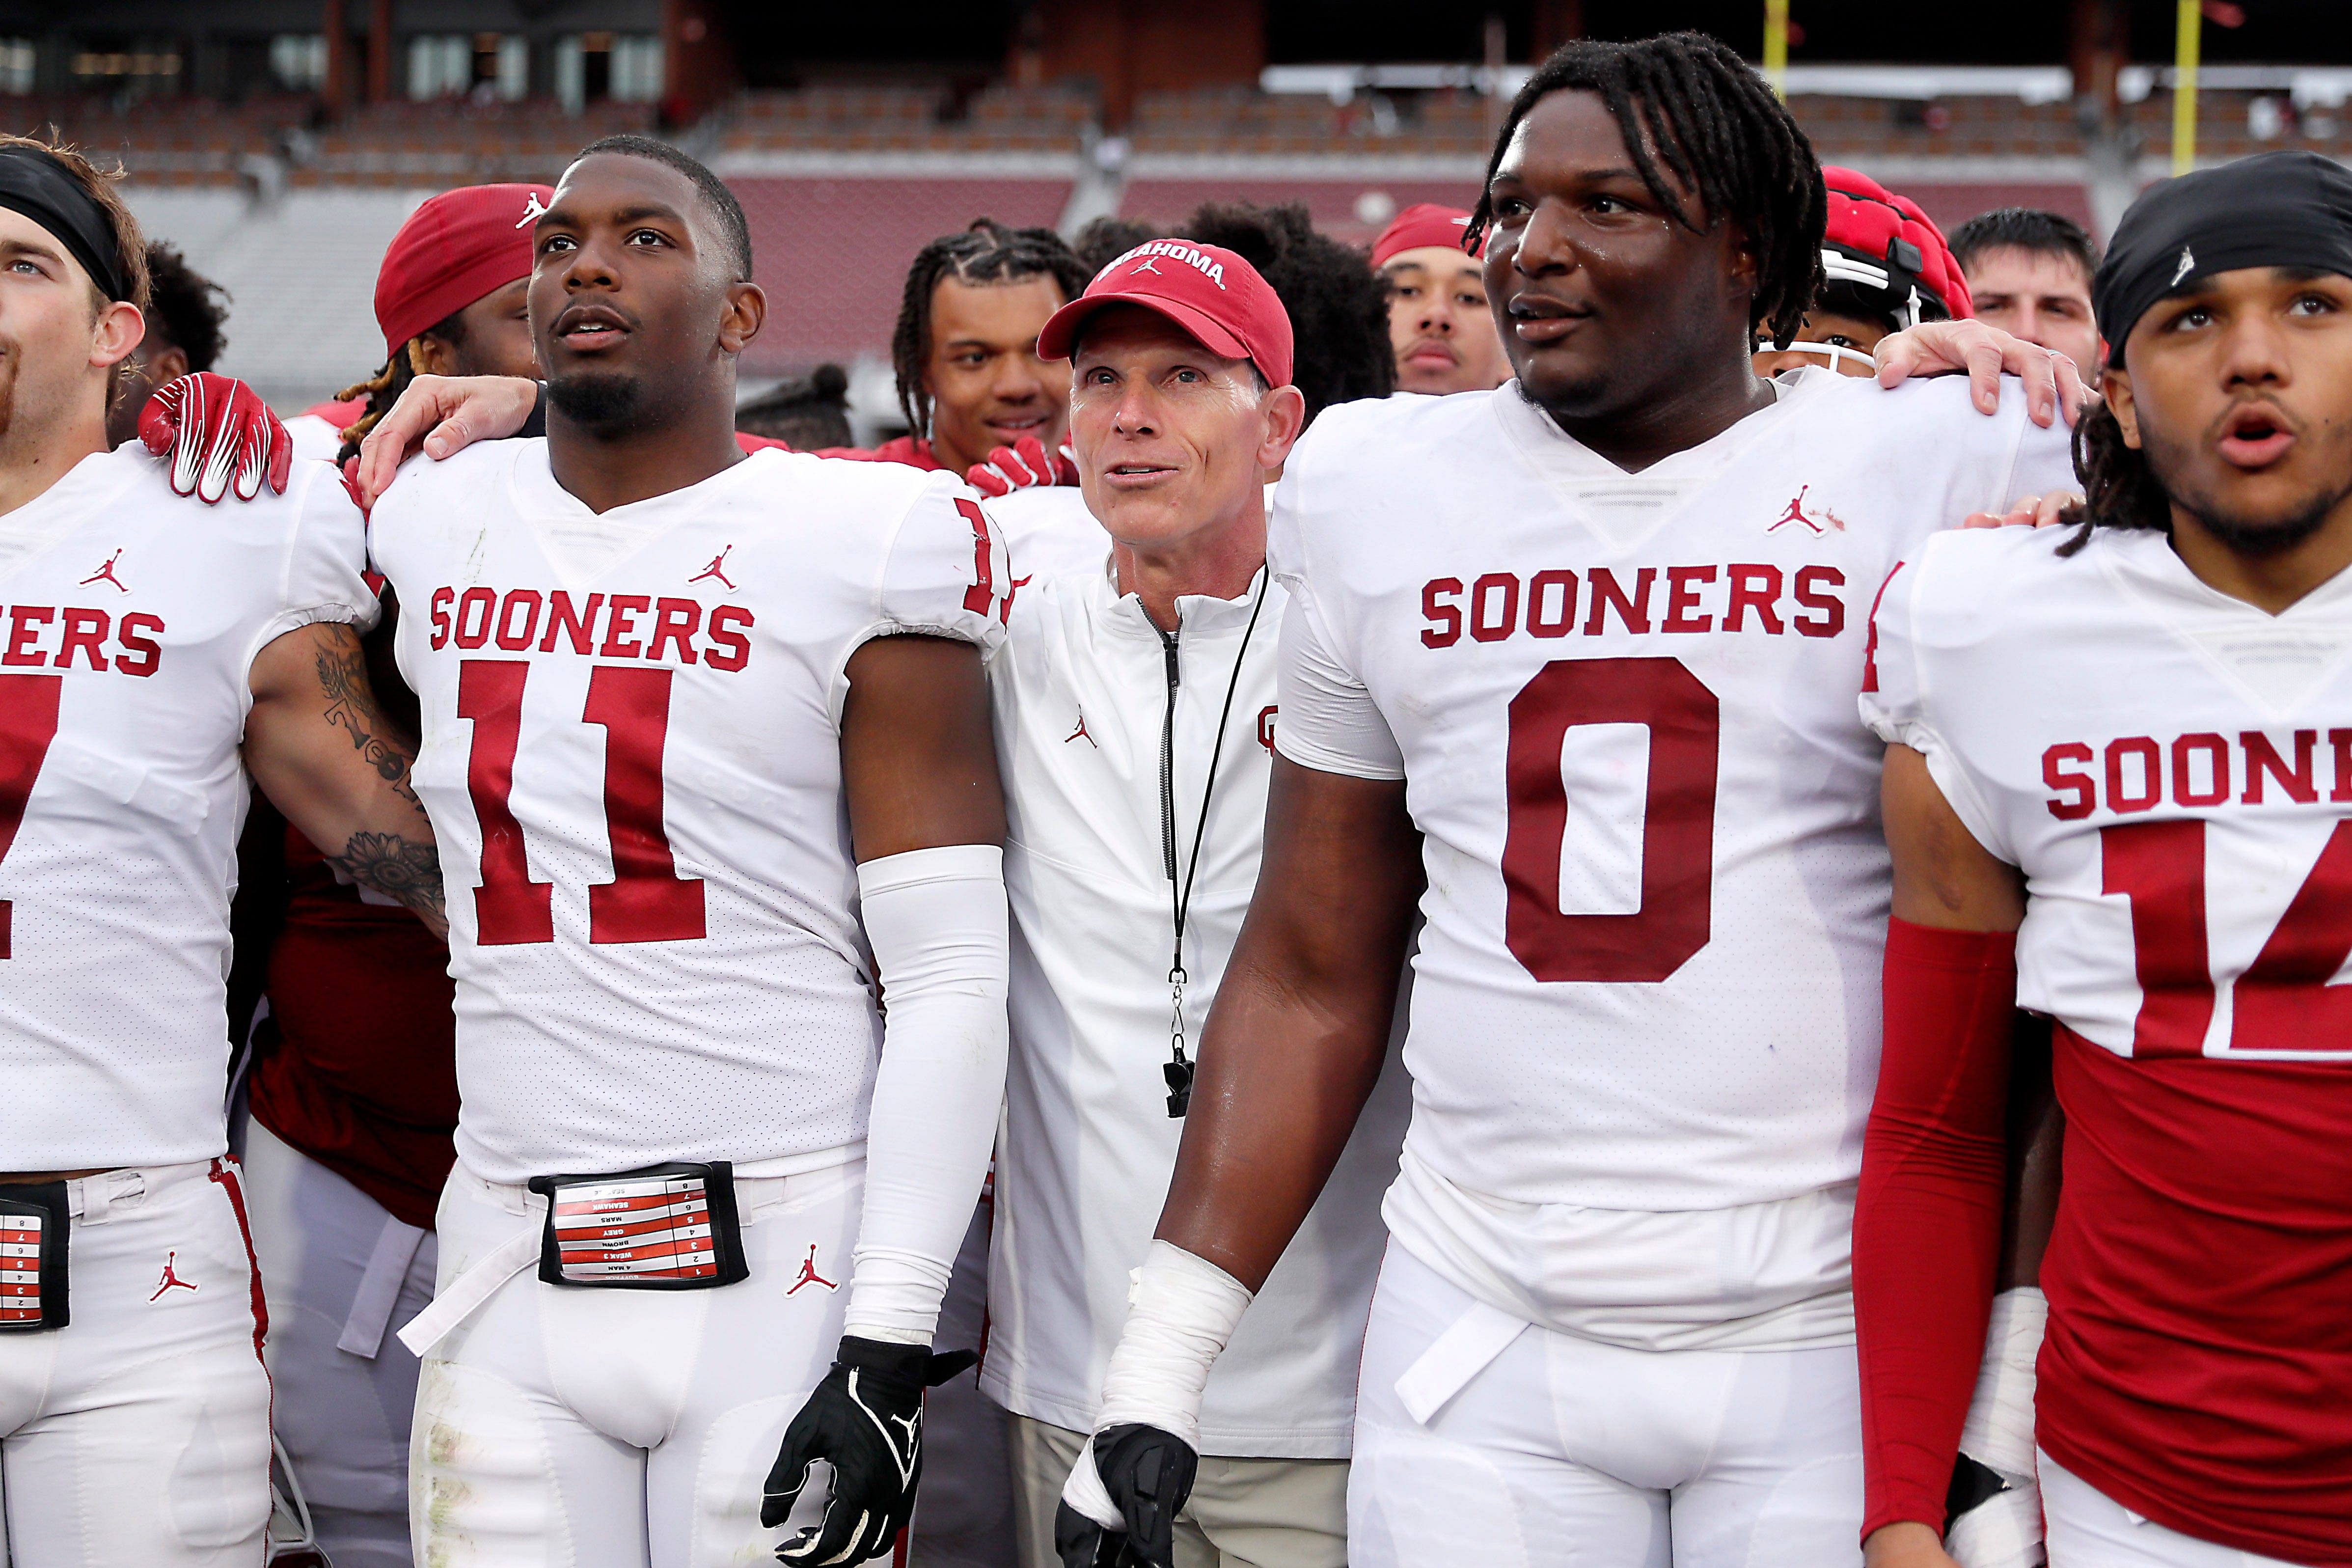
<point x="320" y="748"/>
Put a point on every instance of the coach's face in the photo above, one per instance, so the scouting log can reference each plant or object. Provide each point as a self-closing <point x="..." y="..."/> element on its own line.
<point x="635" y="301"/>
<point x="1172" y="441"/>
<point x="57" y="339"/>
<point x="2240" y="395"/>
<point x="1605" y="302"/>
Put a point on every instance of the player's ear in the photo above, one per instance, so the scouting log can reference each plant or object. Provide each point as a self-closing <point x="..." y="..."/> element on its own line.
<point x="1744" y="270"/>
<point x="438" y="358"/>
<point x="2116" y="385"/>
<point x="746" y="312"/>
<point x="119" y="328"/>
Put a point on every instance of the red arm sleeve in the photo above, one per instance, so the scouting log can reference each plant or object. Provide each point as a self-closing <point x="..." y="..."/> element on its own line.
<point x="1927" y="1228"/>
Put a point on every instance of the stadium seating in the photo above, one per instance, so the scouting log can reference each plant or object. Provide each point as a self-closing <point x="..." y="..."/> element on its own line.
<point x="1353" y="211"/>
<point x="831" y="252"/>
<point x="844" y="180"/>
<point x="906" y="120"/>
<point x="435" y="146"/>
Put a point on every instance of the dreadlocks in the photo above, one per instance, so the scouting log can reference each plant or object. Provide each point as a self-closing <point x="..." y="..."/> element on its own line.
<point x="987" y="252"/>
<point x="384" y="389"/>
<point x="1338" y="305"/>
<point x="1686" y="101"/>
<point x="2119" y="488"/>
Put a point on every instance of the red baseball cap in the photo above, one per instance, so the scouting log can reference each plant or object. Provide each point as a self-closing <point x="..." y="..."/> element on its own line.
<point x="1423" y="223"/>
<point x="1206" y="289"/>
<point x="454" y="250"/>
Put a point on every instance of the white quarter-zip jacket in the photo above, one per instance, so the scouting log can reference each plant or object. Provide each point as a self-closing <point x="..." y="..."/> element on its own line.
<point x="1082" y="695"/>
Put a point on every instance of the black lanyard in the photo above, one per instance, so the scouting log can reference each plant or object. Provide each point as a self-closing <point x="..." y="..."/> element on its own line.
<point x="1179" y="1069"/>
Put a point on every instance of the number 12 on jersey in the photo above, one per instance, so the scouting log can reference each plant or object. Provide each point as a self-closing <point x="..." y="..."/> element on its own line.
<point x="646" y="900"/>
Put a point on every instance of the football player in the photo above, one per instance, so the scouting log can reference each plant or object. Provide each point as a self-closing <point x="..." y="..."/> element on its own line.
<point x="149" y="666"/>
<point x="1567" y="666"/>
<point x="1884" y="267"/>
<point x="185" y="313"/>
<point x="965" y="348"/>
<point x="1439" y="325"/>
<point x="709" y="739"/>
<point x="2116" y="794"/>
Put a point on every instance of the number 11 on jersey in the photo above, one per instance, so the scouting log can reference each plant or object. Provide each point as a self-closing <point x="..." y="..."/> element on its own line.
<point x="646" y="900"/>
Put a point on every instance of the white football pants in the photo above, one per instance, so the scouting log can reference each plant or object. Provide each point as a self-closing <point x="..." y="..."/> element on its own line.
<point x="570" y="1428"/>
<point x="1483" y="1439"/>
<point x="2087" y="1529"/>
<point x="139" y="1433"/>
<point x="340" y="1274"/>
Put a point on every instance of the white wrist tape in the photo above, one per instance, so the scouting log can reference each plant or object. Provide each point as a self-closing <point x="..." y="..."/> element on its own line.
<point x="2002" y="1532"/>
<point x="1085" y="1492"/>
<point x="1180" y="1312"/>
<point x="936" y="921"/>
<point x="1999" y="1432"/>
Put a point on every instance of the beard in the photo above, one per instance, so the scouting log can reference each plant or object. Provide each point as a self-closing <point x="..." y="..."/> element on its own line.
<point x="2256" y="535"/>
<point x="2266" y="536"/>
<point x="597" y="399"/>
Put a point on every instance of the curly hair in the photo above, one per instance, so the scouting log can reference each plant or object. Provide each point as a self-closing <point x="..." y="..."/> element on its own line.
<point x="1105" y="239"/>
<point x="2119" y="488"/>
<point x="382" y="389"/>
<point x="1689" y="101"/>
<point x="188" y="307"/>
<point x="1339" y="306"/>
<point x="987" y="252"/>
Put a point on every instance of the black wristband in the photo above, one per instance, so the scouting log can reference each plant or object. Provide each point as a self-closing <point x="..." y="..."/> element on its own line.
<point x="535" y="422"/>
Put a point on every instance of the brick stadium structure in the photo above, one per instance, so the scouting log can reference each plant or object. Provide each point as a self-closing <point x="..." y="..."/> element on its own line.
<point x="281" y="142"/>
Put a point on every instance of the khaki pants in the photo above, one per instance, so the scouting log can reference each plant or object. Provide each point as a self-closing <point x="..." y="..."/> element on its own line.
<point x="1244" y="1513"/>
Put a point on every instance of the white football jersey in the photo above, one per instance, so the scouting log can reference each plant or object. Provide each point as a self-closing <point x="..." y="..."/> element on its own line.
<point x="1081" y="694"/>
<point x="1048" y="532"/>
<point x="632" y="757"/>
<point x="133" y="617"/>
<point x="314" y="437"/>
<point x="2170" y="769"/>
<point x="2165" y="702"/>
<point x="1623" y="705"/>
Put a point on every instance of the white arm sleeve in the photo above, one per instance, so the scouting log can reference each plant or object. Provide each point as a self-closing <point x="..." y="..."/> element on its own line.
<point x="1327" y="721"/>
<point x="936" y="919"/>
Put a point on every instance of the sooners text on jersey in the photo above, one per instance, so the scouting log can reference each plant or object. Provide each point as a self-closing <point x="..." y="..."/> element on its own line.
<point x="2168" y="768"/>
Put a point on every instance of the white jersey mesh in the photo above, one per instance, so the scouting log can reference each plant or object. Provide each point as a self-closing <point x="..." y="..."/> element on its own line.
<point x="133" y="617"/>
<point x="659" y="957"/>
<point x="1657" y="890"/>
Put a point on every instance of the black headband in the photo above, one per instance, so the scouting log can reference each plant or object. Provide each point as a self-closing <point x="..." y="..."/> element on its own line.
<point x="32" y="182"/>
<point x="2276" y="209"/>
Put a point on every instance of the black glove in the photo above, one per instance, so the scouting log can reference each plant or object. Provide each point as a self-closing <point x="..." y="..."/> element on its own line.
<point x="865" y="1420"/>
<point x="1149" y="1474"/>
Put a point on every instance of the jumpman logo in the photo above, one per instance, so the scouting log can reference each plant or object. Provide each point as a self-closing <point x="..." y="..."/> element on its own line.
<point x="533" y="210"/>
<point x="1796" y="513"/>
<point x="1082" y="730"/>
<point x="716" y="569"/>
<point x="172" y="1280"/>
<point x="106" y="574"/>
<point x="1149" y="264"/>
<point x="809" y="1276"/>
